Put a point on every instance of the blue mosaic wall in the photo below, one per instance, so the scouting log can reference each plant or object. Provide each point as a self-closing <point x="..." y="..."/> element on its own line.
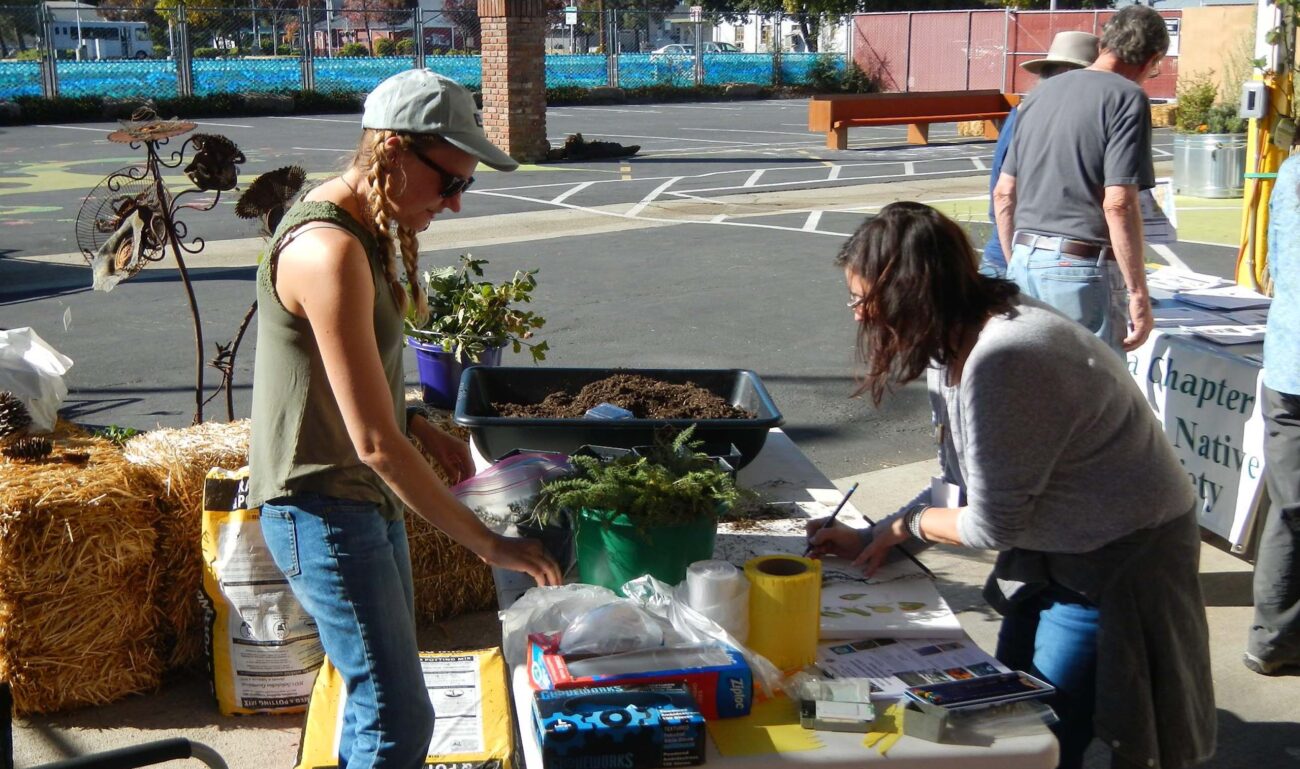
<point x="795" y="66"/>
<point x="19" y="78"/>
<point x="583" y="70"/>
<point x="154" y="77"/>
<point x="246" y="75"/>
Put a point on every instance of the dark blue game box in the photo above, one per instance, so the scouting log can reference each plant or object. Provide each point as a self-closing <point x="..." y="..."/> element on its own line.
<point x="619" y="727"/>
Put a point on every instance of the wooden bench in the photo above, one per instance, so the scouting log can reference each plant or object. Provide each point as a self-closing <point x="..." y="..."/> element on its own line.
<point x="836" y="114"/>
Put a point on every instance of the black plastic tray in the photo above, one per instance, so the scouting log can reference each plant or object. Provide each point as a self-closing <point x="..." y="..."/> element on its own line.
<point x="496" y="435"/>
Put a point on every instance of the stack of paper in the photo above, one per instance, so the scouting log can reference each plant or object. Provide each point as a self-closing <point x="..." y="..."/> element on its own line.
<point x="1173" y="279"/>
<point x="896" y="602"/>
<point x="1224" y="298"/>
<point x="1229" y="334"/>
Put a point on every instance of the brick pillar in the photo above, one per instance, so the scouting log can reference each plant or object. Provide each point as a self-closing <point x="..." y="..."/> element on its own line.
<point x="514" y="81"/>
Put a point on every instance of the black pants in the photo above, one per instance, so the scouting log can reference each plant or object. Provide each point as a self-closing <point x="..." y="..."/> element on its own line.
<point x="1275" y="634"/>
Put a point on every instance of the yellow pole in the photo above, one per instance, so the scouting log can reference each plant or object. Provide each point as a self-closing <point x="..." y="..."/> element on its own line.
<point x="1262" y="157"/>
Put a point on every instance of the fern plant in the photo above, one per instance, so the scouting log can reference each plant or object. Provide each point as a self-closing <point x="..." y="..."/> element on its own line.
<point x="467" y="317"/>
<point x="671" y="484"/>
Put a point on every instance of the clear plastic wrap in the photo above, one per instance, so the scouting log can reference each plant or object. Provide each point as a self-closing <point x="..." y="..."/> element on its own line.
<point x="613" y="628"/>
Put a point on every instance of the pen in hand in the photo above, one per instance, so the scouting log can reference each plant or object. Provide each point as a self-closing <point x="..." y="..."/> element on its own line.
<point x="831" y="520"/>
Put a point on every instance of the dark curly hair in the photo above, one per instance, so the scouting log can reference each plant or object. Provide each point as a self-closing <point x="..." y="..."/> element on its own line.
<point x="924" y="291"/>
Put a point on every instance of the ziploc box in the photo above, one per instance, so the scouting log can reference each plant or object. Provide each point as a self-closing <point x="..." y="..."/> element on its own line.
<point x="622" y="727"/>
<point x="717" y="676"/>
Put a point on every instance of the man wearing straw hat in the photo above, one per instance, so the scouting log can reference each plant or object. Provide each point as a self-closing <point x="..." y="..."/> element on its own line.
<point x="1069" y="51"/>
<point x="1066" y="200"/>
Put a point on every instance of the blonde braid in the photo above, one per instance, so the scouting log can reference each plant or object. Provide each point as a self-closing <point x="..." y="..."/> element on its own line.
<point x="411" y="262"/>
<point x="378" y="180"/>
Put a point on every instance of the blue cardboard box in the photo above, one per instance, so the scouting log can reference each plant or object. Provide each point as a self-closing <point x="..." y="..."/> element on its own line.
<point x="619" y="727"/>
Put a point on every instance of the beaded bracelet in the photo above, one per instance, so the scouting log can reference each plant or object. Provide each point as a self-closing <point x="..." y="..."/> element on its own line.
<point x="913" y="521"/>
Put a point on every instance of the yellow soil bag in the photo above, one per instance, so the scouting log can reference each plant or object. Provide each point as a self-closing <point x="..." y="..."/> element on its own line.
<point x="263" y="648"/>
<point x="471" y="704"/>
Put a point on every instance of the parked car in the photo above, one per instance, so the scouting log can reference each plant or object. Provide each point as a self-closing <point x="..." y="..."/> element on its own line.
<point x="713" y="46"/>
<point x="675" y="49"/>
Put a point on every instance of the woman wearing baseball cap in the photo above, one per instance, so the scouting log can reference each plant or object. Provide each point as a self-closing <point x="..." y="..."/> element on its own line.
<point x="331" y="464"/>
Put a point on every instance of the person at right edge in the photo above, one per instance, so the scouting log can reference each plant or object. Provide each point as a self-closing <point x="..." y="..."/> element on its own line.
<point x="1066" y="202"/>
<point x="1273" y="646"/>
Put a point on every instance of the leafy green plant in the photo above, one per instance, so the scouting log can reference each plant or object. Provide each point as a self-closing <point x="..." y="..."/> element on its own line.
<point x="405" y="47"/>
<point x="1224" y="119"/>
<point x="116" y="433"/>
<point x="1199" y="108"/>
<point x="824" y="75"/>
<point x="858" y="80"/>
<point x="385" y="46"/>
<point x="670" y="484"/>
<point x="467" y="317"/>
<point x="353" y="49"/>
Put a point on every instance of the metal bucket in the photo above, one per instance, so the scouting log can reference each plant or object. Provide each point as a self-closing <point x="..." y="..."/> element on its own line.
<point x="1209" y="165"/>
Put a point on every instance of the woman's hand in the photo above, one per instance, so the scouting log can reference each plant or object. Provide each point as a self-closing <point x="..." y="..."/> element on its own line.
<point x="884" y="536"/>
<point x="525" y="555"/>
<point x="838" y="540"/>
<point x="449" y="451"/>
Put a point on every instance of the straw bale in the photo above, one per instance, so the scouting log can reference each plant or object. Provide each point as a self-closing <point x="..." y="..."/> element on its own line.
<point x="449" y="579"/>
<point x="1163" y="115"/>
<point x="971" y="128"/>
<point x="77" y="576"/>
<point x="179" y="460"/>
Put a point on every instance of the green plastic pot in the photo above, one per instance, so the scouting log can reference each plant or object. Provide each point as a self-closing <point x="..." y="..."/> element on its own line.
<point x="612" y="551"/>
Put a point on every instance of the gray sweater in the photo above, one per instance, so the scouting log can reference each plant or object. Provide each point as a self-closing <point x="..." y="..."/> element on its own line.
<point x="1051" y="439"/>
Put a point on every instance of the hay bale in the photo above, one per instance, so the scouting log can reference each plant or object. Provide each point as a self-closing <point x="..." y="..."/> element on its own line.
<point x="178" y="460"/>
<point x="449" y="579"/>
<point x="973" y="128"/>
<point x="78" y="620"/>
<point x="1163" y="115"/>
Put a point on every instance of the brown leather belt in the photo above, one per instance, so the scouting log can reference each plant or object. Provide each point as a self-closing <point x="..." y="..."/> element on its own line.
<point x="1079" y="248"/>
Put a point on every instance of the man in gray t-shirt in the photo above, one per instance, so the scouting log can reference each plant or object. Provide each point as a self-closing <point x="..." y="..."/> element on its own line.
<point x="1067" y="200"/>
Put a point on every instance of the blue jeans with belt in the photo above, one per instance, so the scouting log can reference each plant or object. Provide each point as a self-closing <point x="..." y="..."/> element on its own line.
<point x="1053" y="635"/>
<point x="1089" y="291"/>
<point x="351" y="570"/>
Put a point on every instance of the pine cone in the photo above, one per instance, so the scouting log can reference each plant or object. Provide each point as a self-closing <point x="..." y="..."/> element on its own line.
<point x="28" y="449"/>
<point x="14" y="417"/>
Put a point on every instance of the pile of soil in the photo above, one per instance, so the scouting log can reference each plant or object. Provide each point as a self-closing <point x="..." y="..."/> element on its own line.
<point x="646" y="398"/>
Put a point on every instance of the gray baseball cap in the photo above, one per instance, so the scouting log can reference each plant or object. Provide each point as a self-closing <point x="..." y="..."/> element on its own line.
<point x="421" y="101"/>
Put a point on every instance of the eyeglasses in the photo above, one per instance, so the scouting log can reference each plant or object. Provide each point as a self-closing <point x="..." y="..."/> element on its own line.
<point x="452" y="185"/>
<point x="855" y="301"/>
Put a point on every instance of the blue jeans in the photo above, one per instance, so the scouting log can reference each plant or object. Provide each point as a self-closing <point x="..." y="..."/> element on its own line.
<point x="1053" y="635"/>
<point x="1084" y="290"/>
<point x="992" y="261"/>
<point x="351" y="570"/>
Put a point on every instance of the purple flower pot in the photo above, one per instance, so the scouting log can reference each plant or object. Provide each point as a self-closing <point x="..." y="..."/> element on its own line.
<point x="440" y="371"/>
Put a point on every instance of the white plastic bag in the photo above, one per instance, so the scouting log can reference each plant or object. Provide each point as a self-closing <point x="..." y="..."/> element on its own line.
<point x="663" y="601"/>
<point x="33" y="370"/>
<point x="547" y="610"/>
<point x="614" y="628"/>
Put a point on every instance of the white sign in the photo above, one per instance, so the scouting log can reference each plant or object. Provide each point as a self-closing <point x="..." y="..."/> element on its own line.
<point x="1175" y="28"/>
<point x="697" y="12"/>
<point x="571" y="15"/>
<point x="1208" y="402"/>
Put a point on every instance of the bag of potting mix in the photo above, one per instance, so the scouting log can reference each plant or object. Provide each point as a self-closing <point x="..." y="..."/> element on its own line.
<point x="263" y="646"/>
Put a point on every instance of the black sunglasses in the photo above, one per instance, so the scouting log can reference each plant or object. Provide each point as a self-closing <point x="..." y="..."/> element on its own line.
<point x="452" y="185"/>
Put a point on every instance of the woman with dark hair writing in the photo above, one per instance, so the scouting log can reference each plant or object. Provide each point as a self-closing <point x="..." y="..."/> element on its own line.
<point x="1064" y="470"/>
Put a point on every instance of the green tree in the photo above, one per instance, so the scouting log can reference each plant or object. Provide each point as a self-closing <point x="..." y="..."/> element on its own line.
<point x="367" y="13"/>
<point x="19" y="21"/>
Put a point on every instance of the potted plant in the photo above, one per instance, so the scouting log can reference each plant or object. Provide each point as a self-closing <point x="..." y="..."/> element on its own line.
<point x="652" y="510"/>
<point x="470" y="321"/>
<point x="1209" y="142"/>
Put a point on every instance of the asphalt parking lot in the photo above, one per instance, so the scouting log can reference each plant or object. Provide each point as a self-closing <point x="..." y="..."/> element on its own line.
<point x="712" y="247"/>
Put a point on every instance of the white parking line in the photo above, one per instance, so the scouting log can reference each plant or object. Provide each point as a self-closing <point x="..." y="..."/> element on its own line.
<point x="563" y="196"/>
<point x="746" y="131"/>
<point x="753" y="178"/>
<point x="834" y="174"/>
<point x="612" y="109"/>
<point x="909" y="168"/>
<point x="979" y="164"/>
<point x="316" y="119"/>
<point x="814" y="218"/>
<point x="648" y="199"/>
<point x="78" y="128"/>
<point x="692" y="106"/>
<point x="678" y="139"/>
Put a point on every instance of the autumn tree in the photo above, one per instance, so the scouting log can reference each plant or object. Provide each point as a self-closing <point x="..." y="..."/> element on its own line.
<point x="367" y="13"/>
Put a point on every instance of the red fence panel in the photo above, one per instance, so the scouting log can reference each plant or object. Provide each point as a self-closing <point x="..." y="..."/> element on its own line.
<point x="958" y="50"/>
<point x="880" y="46"/>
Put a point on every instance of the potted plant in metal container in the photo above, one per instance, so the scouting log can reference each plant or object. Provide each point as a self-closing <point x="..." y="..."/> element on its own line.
<point x="1209" y="142"/>
<point x="653" y="510"/>
<point x="470" y="322"/>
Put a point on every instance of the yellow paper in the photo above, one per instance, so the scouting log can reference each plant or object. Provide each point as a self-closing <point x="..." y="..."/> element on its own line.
<point x="784" y="609"/>
<point x="771" y="727"/>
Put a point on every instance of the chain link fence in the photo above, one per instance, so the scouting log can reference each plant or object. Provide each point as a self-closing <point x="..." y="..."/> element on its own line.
<point x="350" y="47"/>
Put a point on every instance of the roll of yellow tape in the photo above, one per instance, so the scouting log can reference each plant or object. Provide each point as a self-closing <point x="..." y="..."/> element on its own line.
<point x="785" y="597"/>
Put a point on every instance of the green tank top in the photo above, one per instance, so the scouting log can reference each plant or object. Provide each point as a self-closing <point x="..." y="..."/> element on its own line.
<point x="299" y="442"/>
